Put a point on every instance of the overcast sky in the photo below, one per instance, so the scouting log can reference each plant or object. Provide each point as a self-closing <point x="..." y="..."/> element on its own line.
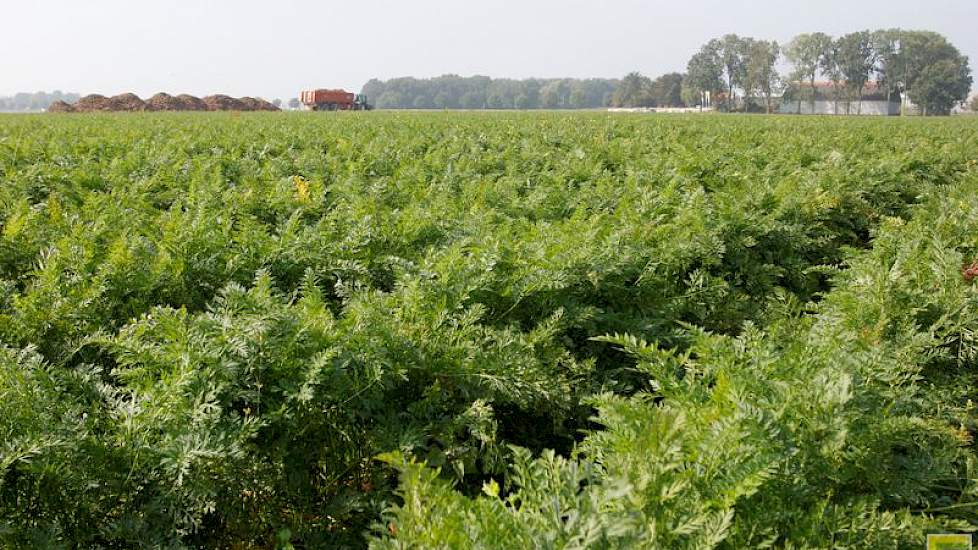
<point x="275" y="48"/>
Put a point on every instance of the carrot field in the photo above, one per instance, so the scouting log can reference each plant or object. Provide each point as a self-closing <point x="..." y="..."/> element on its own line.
<point x="486" y="330"/>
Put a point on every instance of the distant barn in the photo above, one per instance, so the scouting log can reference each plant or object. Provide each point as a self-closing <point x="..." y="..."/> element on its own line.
<point x="830" y="100"/>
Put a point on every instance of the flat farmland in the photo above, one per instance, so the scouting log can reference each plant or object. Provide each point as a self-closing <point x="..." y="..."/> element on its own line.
<point x="486" y="330"/>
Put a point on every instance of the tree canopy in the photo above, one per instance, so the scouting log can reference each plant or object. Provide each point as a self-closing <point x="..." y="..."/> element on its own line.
<point x="855" y="60"/>
<point x="936" y="75"/>
<point x="733" y="64"/>
<point x="704" y="72"/>
<point x="483" y="92"/>
<point x="921" y="65"/>
<point x="636" y="90"/>
<point x="806" y="53"/>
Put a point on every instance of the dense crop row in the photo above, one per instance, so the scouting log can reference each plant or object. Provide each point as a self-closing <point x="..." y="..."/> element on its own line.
<point x="850" y="429"/>
<point x="212" y="325"/>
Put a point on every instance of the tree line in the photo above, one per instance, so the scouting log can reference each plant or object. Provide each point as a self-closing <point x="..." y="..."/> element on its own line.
<point x="730" y="73"/>
<point x="483" y="92"/>
<point x="741" y="72"/>
<point x="37" y="101"/>
<point x="636" y="90"/>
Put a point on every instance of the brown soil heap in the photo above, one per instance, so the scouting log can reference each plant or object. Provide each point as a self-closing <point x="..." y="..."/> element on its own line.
<point x="223" y="103"/>
<point x="191" y="103"/>
<point x="254" y="104"/>
<point x="126" y="103"/>
<point x="60" y="107"/>
<point x="161" y="102"/>
<point x="93" y="102"/>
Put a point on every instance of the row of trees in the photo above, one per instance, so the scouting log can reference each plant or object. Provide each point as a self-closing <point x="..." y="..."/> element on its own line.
<point x="724" y="66"/>
<point x="483" y="92"/>
<point x="921" y="65"/>
<point x="731" y="73"/>
<point x="37" y="101"/>
<point x="636" y="90"/>
<point x="721" y="68"/>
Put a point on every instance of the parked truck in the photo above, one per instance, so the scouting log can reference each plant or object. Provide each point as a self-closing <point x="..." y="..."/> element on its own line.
<point x="333" y="100"/>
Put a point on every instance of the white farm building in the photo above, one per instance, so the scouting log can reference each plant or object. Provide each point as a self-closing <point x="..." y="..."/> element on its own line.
<point x="832" y="100"/>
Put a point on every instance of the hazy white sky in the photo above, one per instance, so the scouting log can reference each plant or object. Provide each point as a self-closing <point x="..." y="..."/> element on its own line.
<point x="275" y="48"/>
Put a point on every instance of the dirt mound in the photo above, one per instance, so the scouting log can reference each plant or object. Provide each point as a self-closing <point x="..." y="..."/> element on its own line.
<point x="249" y="103"/>
<point x="92" y="103"/>
<point x="191" y="103"/>
<point x="126" y="102"/>
<point x="163" y="102"/>
<point x="257" y="104"/>
<point x="60" y="107"/>
<point x="264" y="105"/>
<point x="223" y="103"/>
<point x="183" y="102"/>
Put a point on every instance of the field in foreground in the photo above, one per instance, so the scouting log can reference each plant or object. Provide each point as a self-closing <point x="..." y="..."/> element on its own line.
<point x="483" y="330"/>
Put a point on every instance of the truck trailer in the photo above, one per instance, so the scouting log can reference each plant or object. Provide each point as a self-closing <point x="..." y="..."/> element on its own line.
<point x="333" y="100"/>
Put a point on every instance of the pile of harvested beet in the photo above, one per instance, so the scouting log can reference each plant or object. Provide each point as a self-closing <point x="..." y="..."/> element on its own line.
<point x="128" y="103"/>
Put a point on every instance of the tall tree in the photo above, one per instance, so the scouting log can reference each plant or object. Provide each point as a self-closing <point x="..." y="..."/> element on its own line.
<point x="934" y="65"/>
<point x="732" y="50"/>
<point x="762" y="72"/>
<point x="886" y="50"/>
<point x="832" y="69"/>
<point x="704" y="72"/>
<point x="855" y="58"/>
<point x="746" y="80"/>
<point x="806" y="52"/>
<point x="942" y="85"/>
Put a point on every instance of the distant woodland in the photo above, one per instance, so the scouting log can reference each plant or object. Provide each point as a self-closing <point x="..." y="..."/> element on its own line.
<point x="37" y="101"/>
<point x="483" y="92"/>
